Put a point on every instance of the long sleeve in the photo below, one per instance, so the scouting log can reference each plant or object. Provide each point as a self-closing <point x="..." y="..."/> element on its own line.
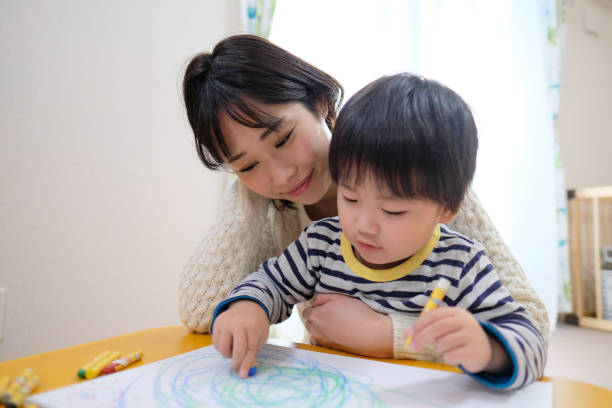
<point x="281" y="282"/>
<point x="481" y="291"/>
<point x="474" y="222"/>
<point x="239" y="240"/>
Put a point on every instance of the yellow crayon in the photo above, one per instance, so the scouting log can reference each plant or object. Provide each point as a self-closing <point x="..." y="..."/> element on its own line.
<point x="435" y="300"/>
<point x="95" y="369"/>
<point x="83" y="370"/>
<point x="4" y="382"/>
<point x="16" y="400"/>
<point x="19" y="397"/>
<point x="14" y="386"/>
<point x="29" y="386"/>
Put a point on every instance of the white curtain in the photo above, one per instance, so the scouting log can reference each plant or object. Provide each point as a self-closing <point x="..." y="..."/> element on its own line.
<point x="493" y="53"/>
<point x="257" y="16"/>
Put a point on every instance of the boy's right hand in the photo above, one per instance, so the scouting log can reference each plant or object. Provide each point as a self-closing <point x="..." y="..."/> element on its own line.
<point x="239" y="333"/>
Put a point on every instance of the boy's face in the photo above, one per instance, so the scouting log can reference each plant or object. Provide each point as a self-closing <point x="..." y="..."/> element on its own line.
<point x="384" y="229"/>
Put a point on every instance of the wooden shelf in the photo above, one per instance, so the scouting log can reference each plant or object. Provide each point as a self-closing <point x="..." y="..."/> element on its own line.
<point x="590" y="227"/>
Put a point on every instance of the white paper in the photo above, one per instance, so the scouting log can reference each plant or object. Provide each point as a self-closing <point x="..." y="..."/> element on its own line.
<point x="286" y="377"/>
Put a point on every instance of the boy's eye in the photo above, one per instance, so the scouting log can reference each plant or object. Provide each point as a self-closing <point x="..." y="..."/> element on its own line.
<point x="350" y="200"/>
<point x="248" y="168"/>
<point x="394" y="212"/>
<point x="285" y="139"/>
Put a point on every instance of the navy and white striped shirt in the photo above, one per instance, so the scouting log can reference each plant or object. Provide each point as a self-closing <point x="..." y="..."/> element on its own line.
<point x="317" y="263"/>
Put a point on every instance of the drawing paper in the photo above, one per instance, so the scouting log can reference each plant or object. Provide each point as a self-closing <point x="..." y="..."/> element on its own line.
<point x="286" y="377"/>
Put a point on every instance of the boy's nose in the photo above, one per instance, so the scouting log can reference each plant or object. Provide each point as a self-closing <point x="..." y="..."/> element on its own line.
<point x="366" y="224"/>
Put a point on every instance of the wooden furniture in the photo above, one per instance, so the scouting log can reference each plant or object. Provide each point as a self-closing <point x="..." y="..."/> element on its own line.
<point x="590" y="229"/>
<point x="58" y="368"/>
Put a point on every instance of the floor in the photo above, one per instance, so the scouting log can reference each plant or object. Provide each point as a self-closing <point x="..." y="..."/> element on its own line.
<point x="580" y="354"/>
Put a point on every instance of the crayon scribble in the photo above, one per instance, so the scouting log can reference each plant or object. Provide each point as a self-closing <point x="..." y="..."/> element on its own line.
<point x="281" y="381"/>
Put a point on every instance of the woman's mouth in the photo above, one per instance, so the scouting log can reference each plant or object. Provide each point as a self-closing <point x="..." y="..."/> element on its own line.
<point x="301" y="187"/>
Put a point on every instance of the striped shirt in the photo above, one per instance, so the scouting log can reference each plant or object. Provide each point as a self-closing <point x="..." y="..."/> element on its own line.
<point x="316" y="263"/>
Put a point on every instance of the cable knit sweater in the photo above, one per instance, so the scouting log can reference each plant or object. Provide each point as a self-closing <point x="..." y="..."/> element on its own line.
<point x="250" y="230"/>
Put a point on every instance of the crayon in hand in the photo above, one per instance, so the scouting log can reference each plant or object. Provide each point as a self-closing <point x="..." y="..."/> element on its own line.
<point x="435" y="300"/>
<point x="252" y="371"/>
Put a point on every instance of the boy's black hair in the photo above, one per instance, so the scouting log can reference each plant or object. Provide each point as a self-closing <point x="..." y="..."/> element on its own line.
<point x="415" y="136"/>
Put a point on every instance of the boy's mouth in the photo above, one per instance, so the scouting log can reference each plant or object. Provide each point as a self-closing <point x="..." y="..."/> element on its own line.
<point x="367" y="247"/>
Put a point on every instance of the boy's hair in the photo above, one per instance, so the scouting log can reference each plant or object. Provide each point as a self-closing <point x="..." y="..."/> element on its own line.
<point x="246" y="69"/>
<point x="415" y="136"/>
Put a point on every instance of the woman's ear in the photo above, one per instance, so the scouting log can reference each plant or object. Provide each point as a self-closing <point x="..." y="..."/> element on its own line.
<point x="323" y="109"/>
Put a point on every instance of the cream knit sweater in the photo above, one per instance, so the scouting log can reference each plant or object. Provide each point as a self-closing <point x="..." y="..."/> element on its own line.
<point x="250" y="230"/>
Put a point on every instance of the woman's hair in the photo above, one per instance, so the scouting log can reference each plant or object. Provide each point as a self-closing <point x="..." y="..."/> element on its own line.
<point x="243" y="70"/>
<point x="415" y="136"/>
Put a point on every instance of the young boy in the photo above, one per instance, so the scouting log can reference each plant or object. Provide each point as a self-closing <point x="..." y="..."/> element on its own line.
<point x="403" y="153"/>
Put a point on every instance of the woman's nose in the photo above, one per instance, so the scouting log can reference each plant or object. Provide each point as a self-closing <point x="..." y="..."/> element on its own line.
<point x="283" y="175"/>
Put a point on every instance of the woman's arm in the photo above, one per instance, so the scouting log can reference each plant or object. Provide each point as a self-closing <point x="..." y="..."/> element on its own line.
<point x="234" y="246"/>
<point x="345" y="323"/>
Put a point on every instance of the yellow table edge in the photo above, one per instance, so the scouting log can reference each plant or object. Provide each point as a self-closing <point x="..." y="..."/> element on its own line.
<point x="58" y="368"/>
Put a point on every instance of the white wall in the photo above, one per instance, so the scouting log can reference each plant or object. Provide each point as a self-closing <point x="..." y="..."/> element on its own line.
<point x="102" y="195"/>
<point x="585" y="111"/>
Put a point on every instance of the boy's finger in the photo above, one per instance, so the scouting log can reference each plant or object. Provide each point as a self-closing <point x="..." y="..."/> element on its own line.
<point x="247" y="362"/>
<point x="430" y="317"/>
<point x="223" y="343"/>
<point x="432" y="332"/>
<point x="459" y="355"/>
<point x="451" y="341"/>
<point x="239" y="349"/>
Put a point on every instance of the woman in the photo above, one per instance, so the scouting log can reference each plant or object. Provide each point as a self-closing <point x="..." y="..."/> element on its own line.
<point x="267" y="115"/>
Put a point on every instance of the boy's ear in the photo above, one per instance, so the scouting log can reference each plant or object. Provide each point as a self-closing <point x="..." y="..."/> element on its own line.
<point x="447" y="215"/>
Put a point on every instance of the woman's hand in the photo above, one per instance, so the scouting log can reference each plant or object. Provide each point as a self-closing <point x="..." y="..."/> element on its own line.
<point x="346" y="323"/>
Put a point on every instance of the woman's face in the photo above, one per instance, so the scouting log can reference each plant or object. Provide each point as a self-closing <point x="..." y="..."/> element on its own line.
<point x="289" y="163"/>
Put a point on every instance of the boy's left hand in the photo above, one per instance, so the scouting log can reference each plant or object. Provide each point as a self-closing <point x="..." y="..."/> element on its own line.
<point x="460" y="339"/>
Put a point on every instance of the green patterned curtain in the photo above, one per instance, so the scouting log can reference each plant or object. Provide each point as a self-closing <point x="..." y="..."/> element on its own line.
<point x="257" y="16"/>
<point x="557" y="27"/>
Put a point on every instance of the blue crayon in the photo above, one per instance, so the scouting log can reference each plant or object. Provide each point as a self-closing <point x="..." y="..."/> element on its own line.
<point x="252" y="371"/>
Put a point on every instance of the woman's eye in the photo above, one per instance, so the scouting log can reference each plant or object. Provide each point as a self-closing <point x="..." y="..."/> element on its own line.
<point x="394" y="212"/>
<point x="284" y="140"/>
<point x="248" y="168"/>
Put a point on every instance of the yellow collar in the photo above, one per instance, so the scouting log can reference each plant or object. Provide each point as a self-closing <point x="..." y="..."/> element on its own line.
<point x="386" y="275"/>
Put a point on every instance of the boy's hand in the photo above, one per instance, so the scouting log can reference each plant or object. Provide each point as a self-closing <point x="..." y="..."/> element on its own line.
<point x="239" y="333"/>
<point x="460" y="339"/>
